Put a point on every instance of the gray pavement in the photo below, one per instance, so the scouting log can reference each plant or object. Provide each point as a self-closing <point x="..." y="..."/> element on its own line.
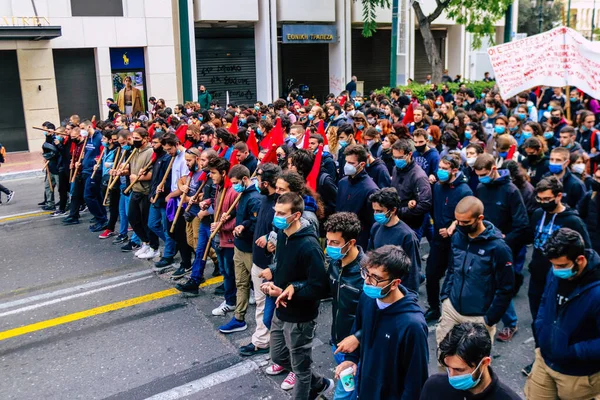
<point x="51" y="271"/>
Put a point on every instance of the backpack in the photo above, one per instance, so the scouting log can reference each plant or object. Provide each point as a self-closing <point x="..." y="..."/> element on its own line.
<point x="2" y="154"/>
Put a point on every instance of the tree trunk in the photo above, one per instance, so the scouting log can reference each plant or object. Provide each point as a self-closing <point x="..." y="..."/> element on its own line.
<point x="433" y="54"/>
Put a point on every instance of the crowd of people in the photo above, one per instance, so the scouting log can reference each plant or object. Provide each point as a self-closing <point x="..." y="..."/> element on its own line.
<point x="297" y="202"/>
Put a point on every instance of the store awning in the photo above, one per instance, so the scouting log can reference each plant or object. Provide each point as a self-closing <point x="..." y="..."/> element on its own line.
<point x="29" y="32"/>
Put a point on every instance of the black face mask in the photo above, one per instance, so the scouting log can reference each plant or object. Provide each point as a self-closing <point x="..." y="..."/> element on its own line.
<point x="421" y="149"/>
<point x="548" y="207"/>
<point x="466" y="229"/>
<point x="595" y="186"/>
<point x="533" y="158"/>
<point x="137" y="144"/>
<point x="555" y="120"/>
<point x="158" y="151"/>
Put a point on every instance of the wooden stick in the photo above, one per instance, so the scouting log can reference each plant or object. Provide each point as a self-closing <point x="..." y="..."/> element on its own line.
<point x="79" y="161"/>
<point x="180" y="205"/>
<point x="161" y="185"/>
<point x="98" y="163"/>
<point x="196" y="196"/>
<point x="145" y="171"/>
<point x="118" y="159"/>
<point x="47" y="130"/>
<point x="49" y="176"/>
<point x="119" y="169"/>
<point x="569" y="103"/>
<point x="220" y="225"/>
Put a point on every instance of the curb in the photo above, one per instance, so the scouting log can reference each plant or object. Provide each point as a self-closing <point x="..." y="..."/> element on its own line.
<point x="32" y="173"/>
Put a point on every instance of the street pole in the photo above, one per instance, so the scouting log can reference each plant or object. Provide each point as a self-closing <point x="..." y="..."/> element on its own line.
<point x="541" y="11"/>
<point x="508" y="24"/>
<point x="394" y="46"/>
<point x="569" y="14"/>
<point x="593" y="21"/>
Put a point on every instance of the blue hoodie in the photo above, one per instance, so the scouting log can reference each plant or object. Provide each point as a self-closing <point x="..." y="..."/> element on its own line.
<point x="569" y="334"/>
<point x="393" y="350"/>
<point x="92" y="151"/>
<point x="445" y="198"/>
<point x="428" y="161"/>
<point x="379" y="173"/>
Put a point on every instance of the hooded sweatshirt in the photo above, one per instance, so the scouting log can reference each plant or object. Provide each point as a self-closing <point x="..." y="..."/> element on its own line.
<point x="246" y="213"/>
<point x="393" y="349"/>
<point x="92" y="151"/>
<point x="379" y="173"/>
<point x="445" y="198"/>
<point x="412" y="184"/>
<point x="301" y="263"/>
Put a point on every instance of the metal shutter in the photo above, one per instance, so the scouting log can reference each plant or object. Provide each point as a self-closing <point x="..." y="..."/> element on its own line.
<point x="227" y="64"/>
<point x="76" y="86"/>
<point x="422" y="66"/>
<point x="12" y="118"/>
<point x="306" y="64"/>
<point x="371" y="58"/>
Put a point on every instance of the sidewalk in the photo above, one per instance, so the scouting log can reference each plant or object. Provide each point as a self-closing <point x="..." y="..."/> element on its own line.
<point x="22" y="165"/>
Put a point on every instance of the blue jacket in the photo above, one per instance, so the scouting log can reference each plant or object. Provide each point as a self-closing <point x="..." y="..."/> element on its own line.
<point x="428" y="162"/>
<point x="412" y="184"/>
<point x="353" y="196"/>
<point x="379" y="173"/>
<point x="328" y="165"/>
<point x="250" y="162"/>
<point x="569" y="334"/>
<point x="264" y="225"/>
<point x="393" y="349"/>
<point x="504" y="207"/>
<point x="445" y="198"/>
<point x="480" y="277"/>
<point x="92" y="151"/>
<point x="246" y="213"/>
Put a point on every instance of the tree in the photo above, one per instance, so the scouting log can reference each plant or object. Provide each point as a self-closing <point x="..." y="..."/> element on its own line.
<point x="478" y="17"/>
<point x="529" y="16"/>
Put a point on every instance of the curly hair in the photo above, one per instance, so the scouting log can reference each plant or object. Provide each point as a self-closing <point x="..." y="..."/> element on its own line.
<point x="346" y="223"/>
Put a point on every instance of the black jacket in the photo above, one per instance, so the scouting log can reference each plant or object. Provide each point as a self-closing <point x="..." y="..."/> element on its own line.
<point x="388" y="159"/>
<point x="438" y="387"/>
<point x="537" y="169"/>
<point x="480" y="277"/>
<point x="573" y="188"/>
<point x="301" y="263"/>
<point x="589" y="211"/>
<point x="412" y="183"/>
<point x="328" y="165"/>
<point x="345" y="287"/>
<point x="250" y="162"/>
<point x="445" y="199"/>
<point x="246" y="213"/>
<point x="327" y="189"/>
<point x="264" y="225"/>
<point x="379" y="173"/>
<point x="159" y="168"/>
<point x="504" y="207"/>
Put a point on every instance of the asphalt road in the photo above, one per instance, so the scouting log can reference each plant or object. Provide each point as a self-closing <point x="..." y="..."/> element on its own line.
<point x="79" y="319"/>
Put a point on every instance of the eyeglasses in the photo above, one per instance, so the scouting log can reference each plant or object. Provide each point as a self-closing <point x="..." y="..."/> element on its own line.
<point x="364" y="273"/>
<point x="539" y="200"/>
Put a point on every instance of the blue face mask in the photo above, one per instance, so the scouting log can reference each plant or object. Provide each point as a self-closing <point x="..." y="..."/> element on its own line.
<point x="311" y="117"/>
<point x="343" y="143"/>
<point x="401" y="163"/>
<point x="438" y="103"/>
<point x="256" y="108"/>
<point x="257" y="186"/>
<point x="430" y="138"/>
<point x="499" y="129"/>
<point x="482" y="95"/>
<point x="526" y="135"/>
<point x="263" y="117"/>
<point x="158" y="130"/>
<point x="259" y="131"/>
<point x="105" y="144"/>
<point x="521" y="116"/>
<point x="548" y="135"/>
<point x="238" y="187"/>
<point x="584" y="128"/>
<point x="357" y="104"/>
<point x="349" y="170"/>
<point x="336" y="252"/>
<point x="126" y="147"/>
<point x="200" y="118"/>
<point x="564" y="273"/>
<point x="503" y="154"/>
<point x="361" y="127"/>
<point x="485" y="179"/>
<point x="293" y="139"/>
<point x="489" y="110"/>
<point x="374" y="292"/>
<point x="382" y="218"/>
<point x="555" y="168"/>
<point x="242" y="121"/>
<point x="514" y="128"/>
<point x="443" y="175"/>
<point x="549" y="108"/>
<point x="573" y="99"/>
<point x="468" y="135"/>
<point x="280" y="222"/>
<point x="464" y="382"/>
<point x="378" y="128"/>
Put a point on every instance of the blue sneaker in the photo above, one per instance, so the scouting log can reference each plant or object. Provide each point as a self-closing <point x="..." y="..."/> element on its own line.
<point x="233" y="326"/>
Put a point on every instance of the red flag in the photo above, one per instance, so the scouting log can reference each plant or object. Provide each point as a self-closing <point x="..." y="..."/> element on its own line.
<point x="321" y="131"/>
<point x="222" y="153"/>
<point x="233" y="128"/>
<point x="101" y="153"/>
<point x="216" y="147"/>
<point x="252" y="144"/>
<point x="203" y="176"/>
<point x="181" y="135"/>
<point x="153" y="158"/>
<point x="306" y="138"/>
<point x="271" y="156"/>
<point x="538" y="91"/>
<point x="233" y="159"/>
<point x="274" y="137"/>
<point x="227" y="183"/>
<point x="311" y="179"/>
<point x="511" y="152"/>
<point x="358" y="136"/>
<point x="409" y="116"/>
<point x="151" y="130"/>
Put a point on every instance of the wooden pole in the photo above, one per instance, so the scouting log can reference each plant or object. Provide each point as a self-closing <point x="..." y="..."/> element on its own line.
<point x="118" y="158"/>
<point x="568" y="93"/>
<point x="145" y="171"/>
<point x="220" y="225"/>
<point x="98" y="161"/>
<point x="118" y="173"/>
<point x="161" y="185"/>
<point x="196" y="196"/>
<point x="79" y="161"/>
<point x="180" y="205"/>
<point x="47" y="130"/>
<point x="49" y="175"/>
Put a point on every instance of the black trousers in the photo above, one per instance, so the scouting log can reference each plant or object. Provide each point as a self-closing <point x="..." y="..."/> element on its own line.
<point x="180" y="237"/>
<point x="76" y="197"/>
<point x="63" y="189"/>
<point x="4" y="190"/>
<point x="437" y="263"/>
<point x="139" y="209"/>
<point x="113" y="208"/>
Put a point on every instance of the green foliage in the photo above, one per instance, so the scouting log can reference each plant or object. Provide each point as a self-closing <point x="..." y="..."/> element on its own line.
<point x="419" y="90"/>
<point x="529" y="16"/>
<point x="369" y="14"/>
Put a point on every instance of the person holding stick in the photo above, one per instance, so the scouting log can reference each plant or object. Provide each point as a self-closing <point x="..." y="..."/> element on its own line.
<point x="109" y="157"/>
<point x="62" y="141"/>
<point x="52" y="156"/>
<point x="77" y="184"/>
<point x="93" y="185"/>
<point x="245" y="221"/>
<point x="139" y="203"/>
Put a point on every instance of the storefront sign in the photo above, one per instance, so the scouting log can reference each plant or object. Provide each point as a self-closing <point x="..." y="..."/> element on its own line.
<point x="24" y="21"/>
<point x="309" y="34"/>
<point x="127" y="58"/>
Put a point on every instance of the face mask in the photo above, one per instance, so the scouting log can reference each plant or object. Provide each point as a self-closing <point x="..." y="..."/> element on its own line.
<point x="549" y="206"/>
<point x="564" y="273"/>
<point x="471" y="161"/>
<point x="242" y="121"/>
<point x="293" y="139"/>
<point x="421" y="149"/>
<point x="485" y="179"/>
<point x="503" y="154"/>
<point x="105" y="144"/>
<point x="343" y="143"/>
<point x="311" y="117"/>
<point x="336" y="252"/>
<point x="595" y="186"/>
<point x="513" y="129"/>
<point x="238" y="187"/>
<point x="468" y="135"/>
<point x="378" y="128"/>
<point x="555" y="168"/>
<point x="438" y="103"/>
<point x="126" y="147"/>
<point x="257" y="186"/>
<point x="361" y="127"/>
<point x="430" y="138"/>
<point x="159" y="150"/>
<point x="549" y="108"/>
<point x="382" y="218"/>
<point x="280" y="222"/>
<point x="527" y="135"/>
<point x="489" y="110"/>
<point x="555" y="120"/>
<point x="464" y="382"/>
<point x="84" y="134"/>
<point x="349" y="169"/>
<point x="375" y="292"/>
<point x="259" y="131"/>
<point x="401" y="163"/>
<point x="578" y="168"/>
<point x="584" y="128"/>
<point x="443" y="175"/>
<point x="521" y="116"/>
<point x="548" y="135"/>
<point x="499" y="129"/>
<point x="256" y="108"/>
<point x="573" y="99"/>
<point x="370" y="143"/>
<point x="137" y="144"/>
<point x="467" y="229"/>
<point x="200" y="118"/>
<point x="357" y="104"/>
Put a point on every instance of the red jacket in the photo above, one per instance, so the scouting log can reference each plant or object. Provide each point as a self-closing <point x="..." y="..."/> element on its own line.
<point x="226" y="232"/>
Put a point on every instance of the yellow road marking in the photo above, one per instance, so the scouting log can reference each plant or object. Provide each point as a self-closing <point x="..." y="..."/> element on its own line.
<point x="96" y="311"/>
<point x="17" y="217"/>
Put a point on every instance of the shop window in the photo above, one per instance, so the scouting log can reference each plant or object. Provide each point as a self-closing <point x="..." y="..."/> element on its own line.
<point x="95" y="8"/>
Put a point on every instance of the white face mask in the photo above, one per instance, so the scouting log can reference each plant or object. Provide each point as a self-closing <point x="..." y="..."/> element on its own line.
<point x="578" y="168"/>
<point x="471" y="161"/>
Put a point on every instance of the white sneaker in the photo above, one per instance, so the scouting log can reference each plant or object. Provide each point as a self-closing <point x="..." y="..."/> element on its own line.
<point x="142" y="249"/>
<point x="223" y="309"/>
<point x="252" y="299"/>
<point x="149" y="254"/>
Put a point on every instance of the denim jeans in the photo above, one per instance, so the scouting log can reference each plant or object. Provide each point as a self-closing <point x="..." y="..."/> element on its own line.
<point x="427" y="228"/>
<point x="123" y="219"/>
<point x="199" y="263"/>
<point x="340" y="393"/>
<point x="269" y="311"/>
<point x="509" y="319"/>
<point x="157" y="222"/>
<point x="225" y="257"/>
<point x="93" y="197"/>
